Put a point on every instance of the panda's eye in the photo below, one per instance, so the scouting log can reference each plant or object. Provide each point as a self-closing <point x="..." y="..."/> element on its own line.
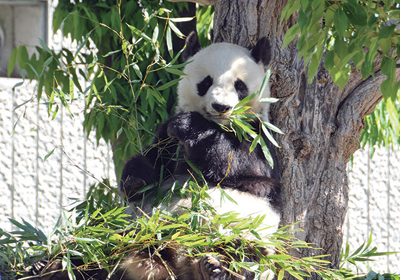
<point x="204" y="85"/>
<point x="241" y="89"/>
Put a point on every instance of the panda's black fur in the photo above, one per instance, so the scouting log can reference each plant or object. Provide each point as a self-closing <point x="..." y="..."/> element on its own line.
<point x="203" y="142"/>
<point x="212" y="150"/>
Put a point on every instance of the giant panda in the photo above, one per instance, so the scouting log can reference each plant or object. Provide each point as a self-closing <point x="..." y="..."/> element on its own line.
<point x="216" y="80"/>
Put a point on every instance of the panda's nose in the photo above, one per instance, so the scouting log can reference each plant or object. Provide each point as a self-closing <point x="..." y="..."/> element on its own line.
<point x="220" y="108"/>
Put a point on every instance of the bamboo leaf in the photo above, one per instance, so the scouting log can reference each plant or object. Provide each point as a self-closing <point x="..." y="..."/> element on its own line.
<point x="169" y="42"/>
<point x="175" y="29"/>
<point x="254" y="143"/>
<point x="11" y="62"/>
<point x="49" y="154"/>
<point x="169" y="84"/>
<point x="45" y="47"/>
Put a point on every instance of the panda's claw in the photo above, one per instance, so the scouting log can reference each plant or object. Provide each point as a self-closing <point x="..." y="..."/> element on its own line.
<point x="38" y="266"/>
<point x="212" y="268"/>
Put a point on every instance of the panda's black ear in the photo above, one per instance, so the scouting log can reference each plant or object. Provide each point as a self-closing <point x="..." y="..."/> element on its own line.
<point x="262" y="51"/>
<point x="192" y="46"/>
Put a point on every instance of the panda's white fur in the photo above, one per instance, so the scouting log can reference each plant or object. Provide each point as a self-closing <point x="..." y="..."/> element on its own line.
<point x="225" y="63"/>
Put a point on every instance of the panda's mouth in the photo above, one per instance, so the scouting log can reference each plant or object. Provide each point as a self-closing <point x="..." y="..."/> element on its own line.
<point x="222" y="118"/>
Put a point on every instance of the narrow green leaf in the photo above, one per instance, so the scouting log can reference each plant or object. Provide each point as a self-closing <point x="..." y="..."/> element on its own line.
<point x="81" y="45"/>
<point x="23" y="103"/>
<point x="140" y="33"/>
<point x="169" y="84"/>
<point x="182" y="19"/>
<point x="281" y="274"/>
<point x="279" y="257"/>
<point x="290" y="34"/>
<point x="245" y="126"/>
<point x="174" y="71"/>
<point x="273" y="127"/>
<point x="394" y="115"/>
<point x="225" y="195"/>
<point x="269" y="136"/>
<point x="71" y="89"/>
<point x="155" y="35"/>
<point x="246" y="100"/>
<point x="269" y="100"/>
<point x="256" y="234"/>
<point x="175" y="29"/>
<point x="169" y="42"/>
<point x="46" y="63"/>
<point x="45" y="47"/>
<point x="312" y="68"/>
<point x="265" y="82"/>
<point x="254" y="143"/>
<point x="33" y="69"/>
<point x="157" y="95"/>
<point x="11" y="62"/>
<point x="112" y="52"/>
<point x="49" y="154"/>
<point x="137" y="70"/>
<point x="266" y="152"/>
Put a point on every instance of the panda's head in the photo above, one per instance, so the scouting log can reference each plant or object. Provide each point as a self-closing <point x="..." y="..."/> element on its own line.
<point x="220" y="76"/>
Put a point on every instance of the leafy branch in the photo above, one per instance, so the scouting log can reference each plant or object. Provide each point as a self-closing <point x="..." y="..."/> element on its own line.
<point x="350" y="35"/>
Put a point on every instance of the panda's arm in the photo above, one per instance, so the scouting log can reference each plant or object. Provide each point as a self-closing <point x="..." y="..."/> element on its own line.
<point x="141" y="170"/>
<point x="206" y="144"/>
<point x="217" y="153"/>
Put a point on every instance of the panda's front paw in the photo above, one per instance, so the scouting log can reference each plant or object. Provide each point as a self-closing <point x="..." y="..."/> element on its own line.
<point x="38" y="267"/>
<point x="130" y="187"/>
<point x="212" y="269"/>
<point x="43" y="268"/>
<point x="187" y="126"/>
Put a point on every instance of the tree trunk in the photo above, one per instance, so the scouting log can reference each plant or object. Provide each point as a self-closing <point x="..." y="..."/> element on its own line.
<point x="322" y="124"/>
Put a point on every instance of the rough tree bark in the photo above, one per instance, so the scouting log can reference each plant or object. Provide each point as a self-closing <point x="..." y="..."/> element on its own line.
<point x="322" y="123"/>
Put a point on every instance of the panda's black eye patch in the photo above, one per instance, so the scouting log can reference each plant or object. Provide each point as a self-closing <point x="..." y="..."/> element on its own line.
<point x="204" y="85"/>
<point x="241" y="89"/>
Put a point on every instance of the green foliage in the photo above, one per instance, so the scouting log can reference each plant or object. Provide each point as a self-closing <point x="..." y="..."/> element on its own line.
<point x="352" y="34"/>
<point x="99" y="232"/>
<point x="124" y="67"/>
<point x="378" y="131"/>
<point x="364" y="254"/>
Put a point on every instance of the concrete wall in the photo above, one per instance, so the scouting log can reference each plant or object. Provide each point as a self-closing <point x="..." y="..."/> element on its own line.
<point x="374" y="205"/>
<point x="31" y="188"/>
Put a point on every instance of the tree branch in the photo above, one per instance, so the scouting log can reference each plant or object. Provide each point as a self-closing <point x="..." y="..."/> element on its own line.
<point x="350" y="118"/>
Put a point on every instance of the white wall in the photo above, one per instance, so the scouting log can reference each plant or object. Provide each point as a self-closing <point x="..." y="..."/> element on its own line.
<point x="31" y="188"/>
<point x="374" y="205"/>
